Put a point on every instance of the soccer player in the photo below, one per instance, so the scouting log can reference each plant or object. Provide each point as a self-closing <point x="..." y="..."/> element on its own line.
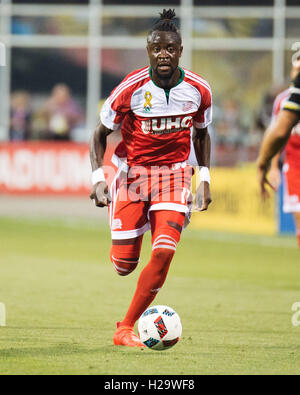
<point x="157" y="108"/>
<point x="284" y="131"/>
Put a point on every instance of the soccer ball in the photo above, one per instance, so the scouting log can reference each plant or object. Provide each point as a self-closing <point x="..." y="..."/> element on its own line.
<point x="159" y="327"/>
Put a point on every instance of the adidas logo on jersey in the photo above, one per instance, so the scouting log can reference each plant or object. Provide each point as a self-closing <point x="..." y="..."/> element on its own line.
<point x="166" y="125"/>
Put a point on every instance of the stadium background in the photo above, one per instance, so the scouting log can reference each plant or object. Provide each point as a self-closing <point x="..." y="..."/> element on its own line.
<point x="233" y="281"/>
<point x="243" y="48"/>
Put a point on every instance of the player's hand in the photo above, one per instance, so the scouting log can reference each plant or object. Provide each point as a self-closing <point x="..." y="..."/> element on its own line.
<point x="262" y="171"/>
<point x="203" y="197"/>
<point x="100" y="195"/>
<point x="275" y="177"/>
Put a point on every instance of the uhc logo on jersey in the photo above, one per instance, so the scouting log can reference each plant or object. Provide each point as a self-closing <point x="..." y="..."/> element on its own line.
<point x="166" y="125"/>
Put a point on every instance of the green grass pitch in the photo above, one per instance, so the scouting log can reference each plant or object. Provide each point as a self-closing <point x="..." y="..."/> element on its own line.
<point x="233" y="293"/>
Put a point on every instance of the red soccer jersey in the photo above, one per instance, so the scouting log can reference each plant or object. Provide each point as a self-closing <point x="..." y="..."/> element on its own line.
<point x="156" y="124"/>
<point x="292" y="150"/>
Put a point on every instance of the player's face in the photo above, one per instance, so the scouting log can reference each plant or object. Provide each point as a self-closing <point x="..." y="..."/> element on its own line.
<point x="164" y="51"/>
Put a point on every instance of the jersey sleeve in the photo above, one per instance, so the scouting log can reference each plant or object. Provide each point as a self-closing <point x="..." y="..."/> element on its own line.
<point x="293" y="102"/>
<point x="204" y="115"/>
<point x="116" y="107"/>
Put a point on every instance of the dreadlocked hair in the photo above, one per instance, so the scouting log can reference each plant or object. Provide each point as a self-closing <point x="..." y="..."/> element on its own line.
<point x="165" y="23"/>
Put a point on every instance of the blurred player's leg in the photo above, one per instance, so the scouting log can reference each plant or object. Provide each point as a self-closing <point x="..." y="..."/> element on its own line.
<point x="291" y="184"/>
<point x="166" y="228"/>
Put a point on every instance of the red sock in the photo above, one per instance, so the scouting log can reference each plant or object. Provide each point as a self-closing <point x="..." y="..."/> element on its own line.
<point x="298" y="237"/>
<point x="152" y="278"/>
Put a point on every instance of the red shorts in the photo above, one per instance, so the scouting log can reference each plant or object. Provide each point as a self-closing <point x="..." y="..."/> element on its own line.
<point x="291" y="182"/>
<point x="141" y="190"/>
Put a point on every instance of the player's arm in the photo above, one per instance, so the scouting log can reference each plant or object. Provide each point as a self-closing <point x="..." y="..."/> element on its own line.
<point x="100" y="193"/>
<point x="279" y="132"/>
<point x="202" y="145"/>
<point x="273" y="142"/>
<point x="276" y="136"/>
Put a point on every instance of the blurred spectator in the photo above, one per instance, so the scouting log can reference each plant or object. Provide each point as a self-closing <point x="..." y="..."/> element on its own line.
<point x="20" y="116"/>
<point x="261" y="121"/>
<point x="62" y="114"/>
<point x="39" y="125"/>
<point x="263" y="118"/>
<point x="229" y="128"/>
